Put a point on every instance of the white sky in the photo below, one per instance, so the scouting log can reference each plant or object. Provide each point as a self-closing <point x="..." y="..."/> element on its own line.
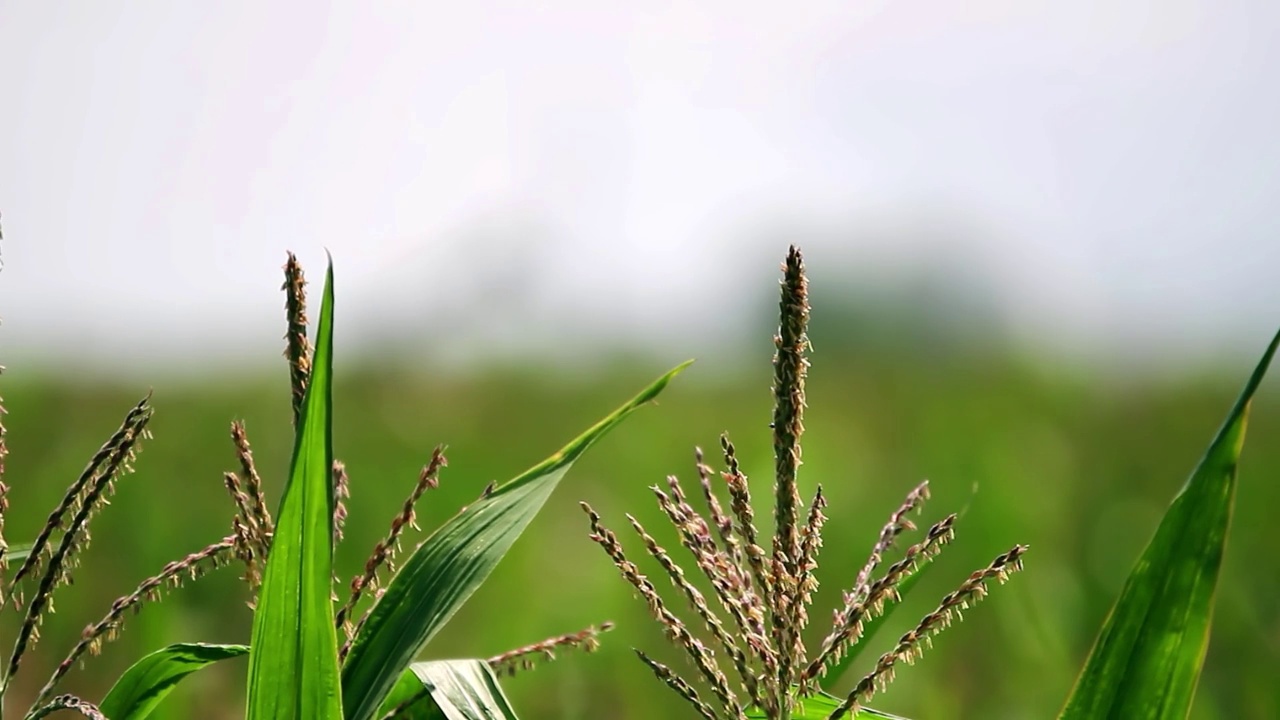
<point x="595" y="167"/>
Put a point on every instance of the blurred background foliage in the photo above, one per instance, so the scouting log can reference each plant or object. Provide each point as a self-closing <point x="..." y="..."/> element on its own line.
<point x="1041" y="238"/>
<point x="1075" y="460"/>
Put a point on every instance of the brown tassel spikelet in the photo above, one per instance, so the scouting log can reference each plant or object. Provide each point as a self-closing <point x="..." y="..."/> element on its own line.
<point x="81" y="502"/>
<point x="297" y="349"/>
<point x="108" y="628"/>
<point x="384" y="551"/>
<point x="524" y="658"/>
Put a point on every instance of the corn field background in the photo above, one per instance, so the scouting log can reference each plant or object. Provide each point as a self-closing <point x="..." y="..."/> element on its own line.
<point x="1078" y="464"/>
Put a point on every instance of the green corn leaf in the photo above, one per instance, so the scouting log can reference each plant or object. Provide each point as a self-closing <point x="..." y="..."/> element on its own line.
<point x="457" y="690"/>
<point x="407" y="688"/>
<point x="448" y="567"/>
<point x="142" y="687"/>
<point x="293" y="663"/>
<point x="871" y="627"/>
<point x="1147" y="658"/>
<point x="820" y="707"/>
<point x="17" y="553"/>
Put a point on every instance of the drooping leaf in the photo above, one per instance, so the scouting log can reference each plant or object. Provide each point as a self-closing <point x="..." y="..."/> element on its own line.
<point x="409" y="688"/>
<point x="293" y="661"/>
<point x="144" y="685"/>
<point x="456" y="690"/>
<point x="448" y="567"/>
<point x="1146" y="661"/>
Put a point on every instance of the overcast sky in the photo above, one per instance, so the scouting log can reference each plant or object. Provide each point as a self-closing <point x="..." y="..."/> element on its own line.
<point x="1110" y="170"/>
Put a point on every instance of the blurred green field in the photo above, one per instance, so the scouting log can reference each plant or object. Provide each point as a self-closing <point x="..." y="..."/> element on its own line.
<point x="1076" y="465"/>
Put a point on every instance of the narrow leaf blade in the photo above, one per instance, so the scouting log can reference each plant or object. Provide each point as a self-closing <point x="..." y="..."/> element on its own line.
<point x="144" y="685"/>
<point x="293" y="663"/>
<point x="448" y="567"/>
<point x="1146" y="660"/>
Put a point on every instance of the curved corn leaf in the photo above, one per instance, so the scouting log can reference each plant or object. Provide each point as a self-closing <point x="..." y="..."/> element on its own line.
<point x="871" y="627"/>
<point x="144" y="685"/>
<point x="819" y="707"/>
<point x="448" y="567"/>
<point x="456" y="690"/>
<point x="293" y="661"/>
<point x="1146" y="661"/>
<point x="409" y="688"/>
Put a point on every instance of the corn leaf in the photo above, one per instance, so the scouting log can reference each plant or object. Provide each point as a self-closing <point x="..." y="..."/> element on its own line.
<point x="871" y="627"/>
<point x="293" y="661"/>
<point x="408" y="690"/>
<point x="1146" y="661"/>
<point x="448" y="567"/>
<point x="455" y="690"/>
<point x="17" y="553"/>
<point x="144" y="685"/>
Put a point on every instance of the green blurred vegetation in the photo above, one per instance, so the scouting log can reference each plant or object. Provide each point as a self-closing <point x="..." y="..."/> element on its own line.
<point x="1079" y="465"/>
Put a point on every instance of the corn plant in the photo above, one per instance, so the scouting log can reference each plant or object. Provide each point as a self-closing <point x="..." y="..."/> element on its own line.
<point x="763" y="595"/>
<point x="372" y="675"/>
<point x="315" y="652"/>
<point x="297" y="666"/>
<point x="756" y="664"/>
